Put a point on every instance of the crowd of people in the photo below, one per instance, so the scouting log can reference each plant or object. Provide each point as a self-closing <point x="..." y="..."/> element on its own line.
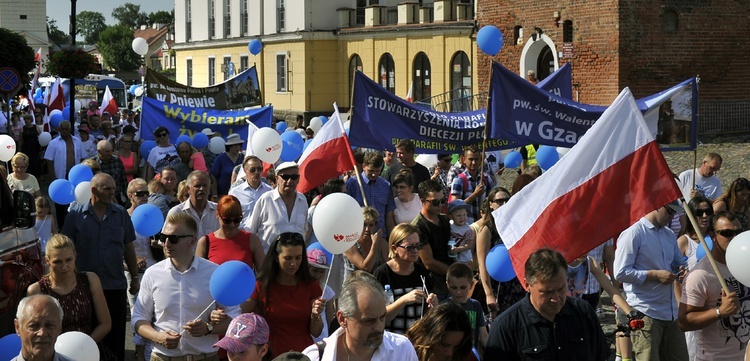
<point x="414" y="286"/>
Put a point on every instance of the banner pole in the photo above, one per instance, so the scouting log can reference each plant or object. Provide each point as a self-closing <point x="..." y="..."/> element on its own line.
<point x="351" y="122"/>
<point x="705" y="246"/>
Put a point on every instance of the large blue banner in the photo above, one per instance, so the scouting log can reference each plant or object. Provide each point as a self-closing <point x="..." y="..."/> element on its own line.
<point x="181" y="120"/>
<point x="524" y="114"/>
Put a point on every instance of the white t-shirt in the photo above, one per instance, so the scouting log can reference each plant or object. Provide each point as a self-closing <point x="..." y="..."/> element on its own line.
<point x="161" y="157"/>
<point x="89" y="148"/>
<point x="710" y="187"/>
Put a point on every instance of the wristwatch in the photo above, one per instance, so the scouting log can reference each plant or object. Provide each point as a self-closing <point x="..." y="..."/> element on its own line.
<point x="210" y="328"/>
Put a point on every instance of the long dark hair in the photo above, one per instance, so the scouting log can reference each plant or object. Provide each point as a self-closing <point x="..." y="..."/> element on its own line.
<point x="488" y="219"/>
<point x="271" y="267"/>
<point x="693" y="205"/>
<point x="427" y="333"/>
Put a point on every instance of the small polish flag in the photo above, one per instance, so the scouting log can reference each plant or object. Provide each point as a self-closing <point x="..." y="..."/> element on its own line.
<point x="109" y="104"/>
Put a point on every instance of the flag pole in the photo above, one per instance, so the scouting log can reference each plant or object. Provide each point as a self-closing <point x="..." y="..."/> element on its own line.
<point x="351" y="120"/>
<point x="710" y="257"/>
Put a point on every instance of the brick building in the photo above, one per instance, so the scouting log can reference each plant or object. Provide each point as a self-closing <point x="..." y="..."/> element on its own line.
<point x="645" y="45"/>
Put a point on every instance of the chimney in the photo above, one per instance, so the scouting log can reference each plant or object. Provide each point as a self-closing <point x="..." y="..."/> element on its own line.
<point x="375" y="15"/>
<point x="408" y="13"/>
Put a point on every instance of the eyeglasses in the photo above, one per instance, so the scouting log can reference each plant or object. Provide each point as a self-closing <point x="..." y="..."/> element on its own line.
<point x="436" y="202"/>
<point x="412" y="248"/>
<point x="141" y="194"/>
<point x="255" y="169"/>
<point x="670" y="211"/>
<point x="231" y="220"/>
<point x="704" y="212"/>
<point x="172" y="238"/>
<point x="500" y="201"/>
<point x="728" y="233"/>
<point x="447" y="160"/>
<point x="160" y="135"/>
<point x="291" y="238"/>
<point x="287" y="177"/>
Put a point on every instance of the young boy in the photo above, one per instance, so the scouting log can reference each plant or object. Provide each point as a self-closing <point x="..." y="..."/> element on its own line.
<point x="460" y="281"/>
<point x="462" y="236"/>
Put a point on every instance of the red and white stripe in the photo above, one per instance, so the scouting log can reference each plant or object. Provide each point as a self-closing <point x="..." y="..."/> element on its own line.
<point x="109" y="104"/>
<point x="612" y="177"/>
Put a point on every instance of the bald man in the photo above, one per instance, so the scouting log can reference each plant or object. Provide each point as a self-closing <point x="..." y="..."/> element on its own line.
<point x="113" y="166"/>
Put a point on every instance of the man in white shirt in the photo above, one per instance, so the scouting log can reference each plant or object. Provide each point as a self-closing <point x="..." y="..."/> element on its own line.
<point x="249" y="192"/>
<point x="281" y="210"/>
<point x="362" y="333"/>
<point x="197" y="205"/>
<point x="174" y="293"/>
<point x="706" y="181"/>
<point x="62" y="154"/>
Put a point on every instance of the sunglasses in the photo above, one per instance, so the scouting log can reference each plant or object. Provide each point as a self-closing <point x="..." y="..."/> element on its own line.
<point x="447" y="160"/>
<point x="704" y="212"/>
<point x="500" y="201"/>
<point x="231" y="220"/>
<point x="291" y="238"/>
<point x="255" y="169"/>
<point x="411" y="248"/>
<point x="160" y="135"/>
<point x="436" y="202"/>
<point x="728" y="233"/>
<point x="287" y="177"/>
<point x="141" y="194"/>
<point x="172" y="238"/>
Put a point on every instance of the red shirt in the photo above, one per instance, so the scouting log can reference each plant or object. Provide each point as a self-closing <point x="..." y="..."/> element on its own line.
<point x="237" y="248"/>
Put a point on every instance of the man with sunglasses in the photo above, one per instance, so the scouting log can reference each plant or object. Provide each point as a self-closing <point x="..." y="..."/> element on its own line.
<point x="169" y="307"/>
<point x="162" y="155"/>
<point x="648" y="262"/>
<point x="707" y="310"/>
<point x="250" y="191"/>
<point x="197" y="205"/>
<point x="434" y="234"/>
<point x="281" y="210"/>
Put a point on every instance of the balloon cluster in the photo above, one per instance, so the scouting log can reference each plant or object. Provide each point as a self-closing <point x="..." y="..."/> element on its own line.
<point x="76" y="188"/>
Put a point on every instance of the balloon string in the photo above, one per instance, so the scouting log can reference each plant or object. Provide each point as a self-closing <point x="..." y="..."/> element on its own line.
<point x="333" y="259"/>
<point x="201" y="314"/>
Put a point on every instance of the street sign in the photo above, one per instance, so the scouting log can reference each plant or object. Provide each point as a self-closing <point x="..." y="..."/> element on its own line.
<point x="568" y="51"/>
<point x="10" y="80"/>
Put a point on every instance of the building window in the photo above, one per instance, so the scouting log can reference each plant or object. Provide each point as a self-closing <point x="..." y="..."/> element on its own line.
<point x="355" y="64"/>
<point x="280" y="13"/>
<point x="670" y="22"/>
<point x="225" y="67"/>
<point x="460" y="93"/>
<point x="188" y="22"/>
<point x="517" y="34"/>
<point x="228" y="19"/>
<point x="421" y="77"/>
<point x="243" y="63"/>
<point x="212" y="20"/>
<point x="568" y="31"/>
<point x="211" y="71"/>
<point x="282" y="82"/>
<point x="387" y="72"/>
<point x="243" y="22"/>
<point x="189" y="67"/>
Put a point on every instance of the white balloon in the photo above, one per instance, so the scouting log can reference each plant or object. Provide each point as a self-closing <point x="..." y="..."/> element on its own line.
<point x="737" y="255"/>
<point x="427" y="160"/>
<point x="266" y="144"/>
<point x="140" y="46"/>
<point x="78" y="105"/>
<point x="83" y="192"/>
<point x="216" y="145"/>
<point x="315" y="124"/>
<point x="301" y="132"/>
<point x="77" y="346"/>
<point x="289" y="129"/>
<point x="562" y="151"/>
<point x="347" y="124"/>
<point x="44" y="138"/>
<point x="139" y="91"/>
<point x="338" y="222"/>
<point x="7" y="147"/>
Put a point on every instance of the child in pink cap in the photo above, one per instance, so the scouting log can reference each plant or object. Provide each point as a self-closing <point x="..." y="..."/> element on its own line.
<point x="246" y="338"/>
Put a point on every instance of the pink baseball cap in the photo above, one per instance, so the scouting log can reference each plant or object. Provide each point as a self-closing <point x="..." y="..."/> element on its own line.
<point x="244" y="331"/>
<point x="317" y="258"/>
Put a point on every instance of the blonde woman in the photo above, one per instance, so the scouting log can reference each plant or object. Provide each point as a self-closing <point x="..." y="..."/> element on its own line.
<point x="19" y="179"/>
<point x="370" y="250"/>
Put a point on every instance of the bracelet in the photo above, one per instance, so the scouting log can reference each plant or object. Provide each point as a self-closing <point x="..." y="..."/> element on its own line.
<point x="718" y="313"/>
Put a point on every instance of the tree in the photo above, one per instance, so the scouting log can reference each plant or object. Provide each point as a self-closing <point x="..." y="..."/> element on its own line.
<point x="130" y="15"/>
<point x="56" y="35"/>
<point x="90" y="24"/>
<point x="22" y="56"/>
<point x="160" y="17"/>
<point x="115" y="46"/>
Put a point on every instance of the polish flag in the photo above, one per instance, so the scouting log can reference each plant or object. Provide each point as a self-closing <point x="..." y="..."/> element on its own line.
<point x="109" y="104"/>
<point x="55" y="97"/>
<point x="615" y="175"/>
<point x="409" y="93"/>
<point x="328" y="155"/>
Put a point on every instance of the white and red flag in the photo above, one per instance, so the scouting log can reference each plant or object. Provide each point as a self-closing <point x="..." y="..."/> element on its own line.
<point x="612" y="177"/>
<point x="409" y="93"/>
<point x="109" y="104"/>
<point x="328" y="155"/>
<point x="55" y="97"/>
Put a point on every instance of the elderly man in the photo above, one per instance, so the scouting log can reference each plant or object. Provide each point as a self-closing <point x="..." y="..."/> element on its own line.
<point x="718" y="318"/>
<point x="63" y="153"/>
<point x="38" y="323"/>
<point x="249" y="192"/>
<point x="112" y="166"/>
<point x="169" y="308"/>
<point x="103" y="235"/>
<point x="197" y="205"/>
<point x="547" y="324"/>
<point x="281" y="210"/>
<point x="706" y="181"/>
<point x="362" y="334"/>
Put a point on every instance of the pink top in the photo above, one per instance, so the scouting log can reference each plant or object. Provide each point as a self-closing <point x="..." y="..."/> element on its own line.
<point x="199" y="163"/>
<point x="129" y="164"/>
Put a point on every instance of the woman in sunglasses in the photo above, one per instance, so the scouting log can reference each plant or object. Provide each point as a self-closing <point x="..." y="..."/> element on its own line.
<point x="701" y="208"/>
<point x="230" y="242"/>
<point x="406" y="278"/>
<point x="736" y="200"/>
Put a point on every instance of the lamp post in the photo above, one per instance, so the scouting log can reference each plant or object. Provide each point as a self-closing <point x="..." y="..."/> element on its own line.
<point x="72" y="89"/>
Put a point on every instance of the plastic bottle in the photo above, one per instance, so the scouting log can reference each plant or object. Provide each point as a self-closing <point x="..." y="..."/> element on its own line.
<point x="388" y="295"/>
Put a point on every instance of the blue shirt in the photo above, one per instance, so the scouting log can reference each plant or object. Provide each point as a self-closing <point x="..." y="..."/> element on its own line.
<point x="379" y="196"/>
<point x="641" y="248"/>
<point x="222" y="171"/>
<point x="100" y="244"/>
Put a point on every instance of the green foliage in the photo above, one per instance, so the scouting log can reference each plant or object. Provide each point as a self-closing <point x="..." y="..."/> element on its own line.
<point x="115" y="45"/>
<point x="22" y="56"/>
<point x="169" y="73"/>
<point x="74" y="63"/>
<point x="90" y="24"/>
<point x="160" y="17"/>
<point x="54" y="33"/>
<point x="130" y="15"/>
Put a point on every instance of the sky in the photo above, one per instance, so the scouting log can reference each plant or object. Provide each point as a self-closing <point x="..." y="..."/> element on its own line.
<point x="60" y="9"/>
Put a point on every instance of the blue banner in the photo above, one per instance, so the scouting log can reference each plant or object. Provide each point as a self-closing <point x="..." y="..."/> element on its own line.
<point x="559" y="83"/>
<point x="181" y="120"/>
<point x="524" y="114"/>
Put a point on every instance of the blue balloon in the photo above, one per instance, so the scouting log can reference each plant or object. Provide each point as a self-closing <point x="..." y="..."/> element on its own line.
<point x="281" y="127"/>
<point x="200" y="140"/>
<point x="319" y="246"/>
<point x="513" y="159"/>
<point x="146" y="147"/>
<point x="132" y="89"/>
<point x="55" y="119"/>
<point x="232" y="283"/>
<point x="547" y="156"/>
<point x="291" y="148"/>
<point x="38" y="92"/>
<point x="307" y="144"/>
<point x="490" y="39"/>
<point x="66" y="113"/>
<point x="10" y="346"/>
<point x="39" y="99"/>
<point x="499" y="265"/>
<point x="67" y="104"/>
<point x="184" y="138"/>
<point x="323" y="118"/>
<point x="80" y="173"/>
<point x="255" y="46"/>
<point x="700" y="253"/>
<point x="62" y="191"/>
<point x="147" y="220"/>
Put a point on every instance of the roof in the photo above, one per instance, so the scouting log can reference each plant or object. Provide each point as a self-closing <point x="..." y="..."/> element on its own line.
<point x="151" y="35"/>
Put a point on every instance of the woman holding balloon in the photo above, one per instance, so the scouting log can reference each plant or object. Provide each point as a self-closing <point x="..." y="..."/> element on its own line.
<point x="229" y="242"/>
<point x="690" y="245"/>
